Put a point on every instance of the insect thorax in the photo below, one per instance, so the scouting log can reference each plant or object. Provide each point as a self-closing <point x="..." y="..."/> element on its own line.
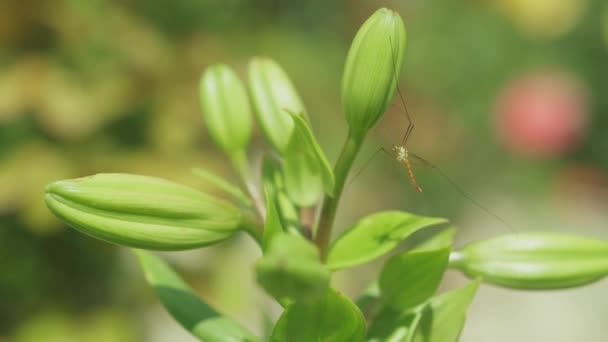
<point x="400" y="152"/>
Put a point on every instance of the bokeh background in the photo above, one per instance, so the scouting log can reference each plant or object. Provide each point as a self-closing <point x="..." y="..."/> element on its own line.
<point x="509" y="97"/>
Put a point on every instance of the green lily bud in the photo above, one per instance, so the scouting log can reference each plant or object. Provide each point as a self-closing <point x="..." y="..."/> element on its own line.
<point x="143" y="212"/>
<point x="372" y="69"/>
<point x="226" y="109"/>
<point x="273" y="95"/>
<point x="536" y="260"/>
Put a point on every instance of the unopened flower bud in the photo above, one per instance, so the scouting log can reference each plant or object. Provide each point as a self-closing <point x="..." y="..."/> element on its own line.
<point x="535" y="260"/>
<point x="372" y="69"/>
<point x="142" y="212"/>
<point x="273" y="96"/>
<point x="226" y="109"/>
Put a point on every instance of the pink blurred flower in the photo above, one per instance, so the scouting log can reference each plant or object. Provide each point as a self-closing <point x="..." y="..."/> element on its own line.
<point x="542" y="114"/>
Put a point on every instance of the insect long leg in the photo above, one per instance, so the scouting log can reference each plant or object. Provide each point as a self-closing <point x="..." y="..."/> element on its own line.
<point x="410" y="123"/>
<point x="459" y="189"/>
<point x="367" y="162"/>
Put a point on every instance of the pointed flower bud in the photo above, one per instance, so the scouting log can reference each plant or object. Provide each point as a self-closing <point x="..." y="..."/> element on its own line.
<point x="535" y="260"/>
<point x="143" y="212"/>
<point x="273" y="96"/>
<point x="226" y="109"/>
<point x="372" y="69"/>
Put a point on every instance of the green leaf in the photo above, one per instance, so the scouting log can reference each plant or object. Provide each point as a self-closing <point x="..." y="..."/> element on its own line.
<point x="445" y="238"/>
<point x="313" y="148"/>
<point x="411" y="278"/>
<point x="273" y="180"/>
<point x="302" y="182"/>
<point x="367" y="301"/>
<point x="272" y="175"/>
<point x="374" y="236"/>
<point x="331" y="318"/>
<point x="393" y="326"/>
<point x="443" y="316"/>
<point x="535" y="260"/>
<point x="291" y="269"/>
<point x="306" y="169"/>
<point x="186" y="307"/>
<point x="223" y="185"/>
<point x="273" y="226"/>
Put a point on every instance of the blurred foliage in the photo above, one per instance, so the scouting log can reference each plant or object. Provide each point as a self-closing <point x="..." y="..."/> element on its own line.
<point x="90" y="86"/>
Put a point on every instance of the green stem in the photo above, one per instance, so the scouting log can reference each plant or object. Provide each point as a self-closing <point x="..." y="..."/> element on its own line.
<point x="330" y="204"/>
<point x="252" y="225"/>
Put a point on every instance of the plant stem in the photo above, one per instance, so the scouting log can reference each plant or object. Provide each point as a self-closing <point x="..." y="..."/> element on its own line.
<point x="330" y="204"/>
<point x="307" y="217"/>
<point x="251" y="224"/>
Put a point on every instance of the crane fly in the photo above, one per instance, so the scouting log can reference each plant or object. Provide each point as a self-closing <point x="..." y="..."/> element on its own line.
<point x="401" y="154"/>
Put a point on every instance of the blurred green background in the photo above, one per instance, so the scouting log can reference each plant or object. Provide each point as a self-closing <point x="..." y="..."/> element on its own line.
<point x="509" y="97"/>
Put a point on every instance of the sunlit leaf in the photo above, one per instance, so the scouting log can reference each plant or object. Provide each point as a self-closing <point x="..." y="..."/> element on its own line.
<point x="313" y="148"/>
<point x="443" y="316"/>
<point x="306" y="169"/>
<point x="374" y="236"/>
<point x="445" y="238"/>
<point x="393" y="326"/>
<point x="291" y="269"/>
<point x="331" y="318"/>
<point x="186" y="307"/>
<point x="411" y="278"/>
<point x="272" y="226"/>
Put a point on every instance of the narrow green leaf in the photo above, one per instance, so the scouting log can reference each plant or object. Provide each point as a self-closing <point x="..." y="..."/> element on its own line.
<point x="368" y="300"/>
<point x="443" y="316"/>
<point x="374" y="236"/>
<point x="306" y="169"/>
<point x="223" y="185"/>
<point x="273" y="226"/>
<point x="291" y="269"/>
<point x="411" y="278"/>
<point x="331" y="318"/>
<point x="289" y="213"/>
<point x="272" y="176"/>
<point x="303" y="184"/>
<point x="186" y="307"/>
<point x="535" y="260"/>
<point x="327" y="173"/>
<point x="273" y="179"/>
<point x="393" y="326"/>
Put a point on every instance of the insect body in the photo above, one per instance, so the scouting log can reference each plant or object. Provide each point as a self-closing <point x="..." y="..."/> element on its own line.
<point x="402" y="155"/>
